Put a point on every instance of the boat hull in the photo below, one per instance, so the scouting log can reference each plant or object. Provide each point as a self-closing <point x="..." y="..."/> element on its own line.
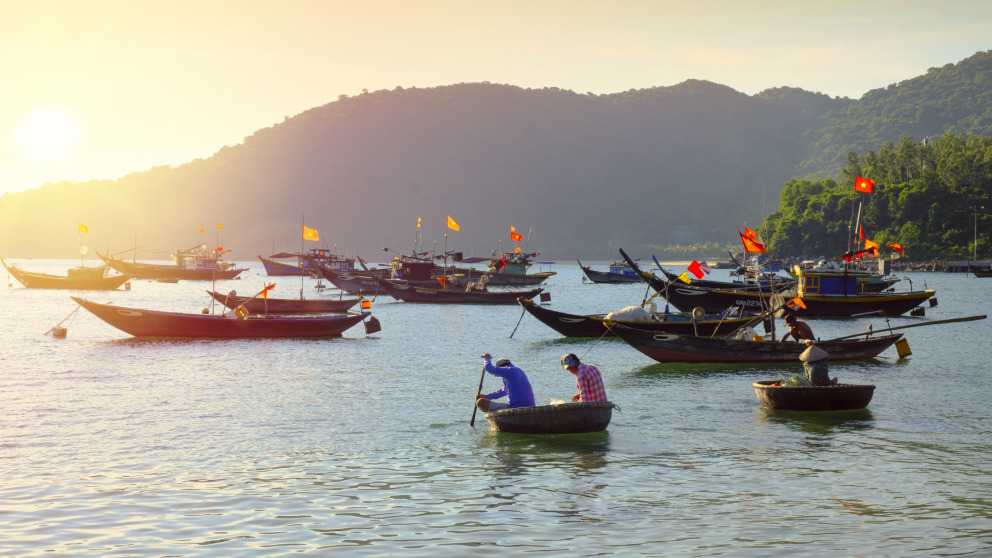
<point x="596" y="325"/>
<point x="607" y="277"/>
<point x="841" y="397"/>
<point x="352" y="282"/>
<point x="567" y="418"/>
<point x="153" y="323"/>
<point x="32" y="280"/>
<point x="671" y="347"/>
<point x="271" y="305"/>
<point x="412" y="293"/>
<point x="139" y="270"/>
<point x="279" y="269"/>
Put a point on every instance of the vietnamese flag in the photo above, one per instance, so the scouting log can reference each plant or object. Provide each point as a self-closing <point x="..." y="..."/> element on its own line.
<point x="750" y="244"/>
<point x="83" y="228"/>
<point x="896" y="246"/>
<point x="750" y="234"/>
<point x="514" y="235"/>
<point x="219" y="227"/>
<point x="872" y="247"/>
<point x="863" y="185"/>
<point x="696" y="270"/>
<point x="452" y="224"/>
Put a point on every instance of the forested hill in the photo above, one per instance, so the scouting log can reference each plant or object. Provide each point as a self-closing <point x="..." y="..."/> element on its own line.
<point x="667" y="165"/>
<point x="955" y="98"/>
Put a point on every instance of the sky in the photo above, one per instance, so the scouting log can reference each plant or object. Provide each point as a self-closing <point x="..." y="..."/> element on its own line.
<point x="99" y="89"/>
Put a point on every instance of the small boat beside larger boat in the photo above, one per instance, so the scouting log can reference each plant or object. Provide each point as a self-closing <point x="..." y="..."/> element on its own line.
<point x="269" y="305"/>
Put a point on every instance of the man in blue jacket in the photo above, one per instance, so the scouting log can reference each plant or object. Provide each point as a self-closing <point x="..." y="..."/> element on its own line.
<point x="516" y="387"/>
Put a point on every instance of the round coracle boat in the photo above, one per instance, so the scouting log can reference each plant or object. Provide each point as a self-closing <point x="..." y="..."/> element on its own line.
<point x="840" y="397"/>
<point x="566" y="418"/>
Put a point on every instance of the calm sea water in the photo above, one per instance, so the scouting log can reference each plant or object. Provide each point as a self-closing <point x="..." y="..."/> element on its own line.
<point x="111" y="446"/>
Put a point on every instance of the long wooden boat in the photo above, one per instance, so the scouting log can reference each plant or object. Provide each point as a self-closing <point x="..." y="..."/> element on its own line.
<point x="355" y="282"/>
<point x="154" y="323"/>
<point x="618" y="273"/>
<point x="674" y="347"/>
<point x="597" y="325"/>
<point x="414" y="293"/>
<point x="188" y="265"/>
<point x="567" y="418"/>
<point x="979" y="272"/>
<point x="506" y="270"/>
<point x="79" y="279"/>
<point x="271" y="305"/>
<point x="303" y="267"/>
<point x="823" y="296"/>
<point x="840" y="397"/>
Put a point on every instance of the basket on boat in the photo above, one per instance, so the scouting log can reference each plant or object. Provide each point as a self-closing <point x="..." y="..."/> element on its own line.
<point x="567" y="418"/>
<point x="840" y="397"/>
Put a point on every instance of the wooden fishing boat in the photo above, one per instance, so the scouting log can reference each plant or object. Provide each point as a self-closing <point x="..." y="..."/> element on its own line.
<point x="566" y="418"/>
<point x="824" y="295"/>
<point x="77" y="278"/>
<point x="154" y="323"/>
<point x="193" y="264"/>
<point x="303" y="266"/>
<point x="598" y="325"/>
<point x="840" y="397"/>
<point x="978" y="271"/>
<point x="674" y="347"/>
<point x="259" y="305"/>
<point x="467" y="295"/>
<point x="509" y="269"/>
<point x="619" y="272"/>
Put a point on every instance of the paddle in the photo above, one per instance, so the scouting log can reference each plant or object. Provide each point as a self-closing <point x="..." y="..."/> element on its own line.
<point x="937" y="322"/>
<point x="475" y="407"/>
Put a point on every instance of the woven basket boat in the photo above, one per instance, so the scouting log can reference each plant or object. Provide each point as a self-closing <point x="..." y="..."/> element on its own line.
<point x="567" y="418"/>
<point x="841" y="397"/>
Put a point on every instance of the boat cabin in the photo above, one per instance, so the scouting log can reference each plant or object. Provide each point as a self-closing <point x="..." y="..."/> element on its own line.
<point x="830" y="278"/>
<point x="412" y="269"/>
<point x="621" y="268"/>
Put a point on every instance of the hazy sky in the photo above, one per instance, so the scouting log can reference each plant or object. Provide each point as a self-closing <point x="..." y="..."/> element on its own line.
<point x="100" y="89"/>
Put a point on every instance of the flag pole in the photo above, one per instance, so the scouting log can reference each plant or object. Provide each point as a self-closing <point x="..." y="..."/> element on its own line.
<point x="303" y="224"/>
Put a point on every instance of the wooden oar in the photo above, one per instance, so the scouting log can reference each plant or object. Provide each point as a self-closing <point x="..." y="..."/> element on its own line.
<point x="475" y="407"/>
<point x="938" y="322"/>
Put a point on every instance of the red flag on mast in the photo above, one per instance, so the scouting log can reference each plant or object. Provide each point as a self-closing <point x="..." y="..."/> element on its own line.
<point x="863" y="185"/>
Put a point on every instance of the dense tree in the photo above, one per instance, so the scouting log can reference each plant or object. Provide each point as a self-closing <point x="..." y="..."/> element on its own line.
<point x="923" y="199"/>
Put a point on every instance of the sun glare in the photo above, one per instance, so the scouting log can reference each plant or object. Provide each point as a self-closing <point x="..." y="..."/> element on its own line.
<point x="48" y="136"/>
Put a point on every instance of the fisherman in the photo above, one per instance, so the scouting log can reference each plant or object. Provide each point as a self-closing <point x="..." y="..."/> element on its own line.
<point x="800" y="330"/>
<point x="587" y="379"/>
<point x="516" y="387"/>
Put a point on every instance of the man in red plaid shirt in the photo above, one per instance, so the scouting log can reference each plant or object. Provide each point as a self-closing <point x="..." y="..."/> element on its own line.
<point x="587" y="379"/>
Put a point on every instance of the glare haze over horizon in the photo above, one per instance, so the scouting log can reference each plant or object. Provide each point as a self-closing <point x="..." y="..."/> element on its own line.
<point x="102" y="89"/>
